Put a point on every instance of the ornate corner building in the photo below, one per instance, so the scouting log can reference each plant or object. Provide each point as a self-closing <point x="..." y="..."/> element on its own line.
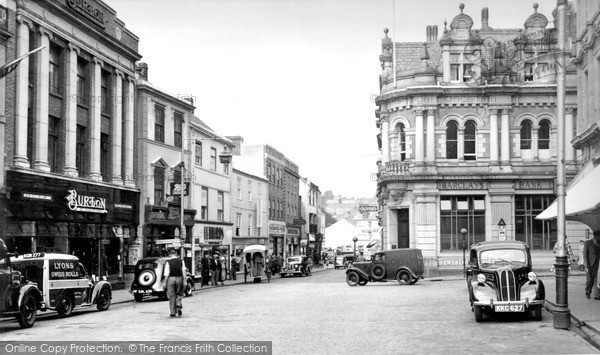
<point x="468" y="137"/>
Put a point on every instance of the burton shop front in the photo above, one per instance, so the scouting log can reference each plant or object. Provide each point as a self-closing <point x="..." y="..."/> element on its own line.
<point x="92" y="221"/>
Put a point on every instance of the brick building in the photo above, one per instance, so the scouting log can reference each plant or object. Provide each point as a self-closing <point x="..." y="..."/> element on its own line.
<point x="468" y="137"/>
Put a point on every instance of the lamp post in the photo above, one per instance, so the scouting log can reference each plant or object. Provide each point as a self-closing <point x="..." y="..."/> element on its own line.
<point x="354" y="239"/>
<point x="463" y="231"/>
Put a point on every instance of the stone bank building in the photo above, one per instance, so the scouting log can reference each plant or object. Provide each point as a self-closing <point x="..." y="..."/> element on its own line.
<point x="468" y="137"/>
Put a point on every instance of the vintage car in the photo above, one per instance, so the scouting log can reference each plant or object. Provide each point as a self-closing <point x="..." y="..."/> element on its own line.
<point x="296" y="266"/>
<point x="404" y="265"/>
<point x="500" y="280"/>
<point x="18" y="298"/>
<point x="51" y="281"/>
<point x="148" y="279"/>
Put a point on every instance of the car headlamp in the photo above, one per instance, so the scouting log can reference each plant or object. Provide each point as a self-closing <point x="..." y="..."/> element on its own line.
<point x="532" y="276"/>
<point x="481" y="278"/>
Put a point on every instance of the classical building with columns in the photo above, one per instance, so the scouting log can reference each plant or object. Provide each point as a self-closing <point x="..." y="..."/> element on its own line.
<point x="69" y="163"/>
<point x="468" y="137"/>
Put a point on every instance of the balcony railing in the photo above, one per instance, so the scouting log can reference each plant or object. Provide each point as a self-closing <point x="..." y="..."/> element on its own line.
<point x="398" y="167"/>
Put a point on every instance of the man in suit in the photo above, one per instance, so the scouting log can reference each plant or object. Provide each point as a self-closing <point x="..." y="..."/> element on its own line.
<point x="174" y="271"/>
<point x="591" y="260"/>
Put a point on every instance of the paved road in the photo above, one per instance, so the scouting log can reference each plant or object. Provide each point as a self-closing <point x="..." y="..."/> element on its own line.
<point x="319" y="315"/>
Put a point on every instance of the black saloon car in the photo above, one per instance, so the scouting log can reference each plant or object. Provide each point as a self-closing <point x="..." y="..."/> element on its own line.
<point x="149" y="276"/>
<point x="500" y="280"/>
<point x="403" y="265"/>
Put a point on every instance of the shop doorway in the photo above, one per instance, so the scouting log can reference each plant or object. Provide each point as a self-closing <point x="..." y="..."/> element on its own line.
<point x="403" y="228"/>
<point x="86" y="249"/>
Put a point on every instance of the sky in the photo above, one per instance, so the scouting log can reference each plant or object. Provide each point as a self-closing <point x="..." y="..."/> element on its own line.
<point x="299" y="75"/>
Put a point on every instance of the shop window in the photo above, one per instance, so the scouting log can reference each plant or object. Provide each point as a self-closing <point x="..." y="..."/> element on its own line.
<point x="159" y="123"/>
<point x="198" y="157"/>
<point x="452" y="140"/>
<point x="525" y="135"/>
<point x="178" y="129"/>
<point x="53" y="124"/>
<point x="159" y="184"/>
<point x="537" y="234"/>
<point x="544" y="135"/>
<point x="204" y="203"/>
<point x="55" y="70"/>
<point x="459" y="212"/>
<point x="470" y="141"/>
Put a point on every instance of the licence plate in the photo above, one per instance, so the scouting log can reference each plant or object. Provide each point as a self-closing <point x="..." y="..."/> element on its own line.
<point x="510" y="308"/>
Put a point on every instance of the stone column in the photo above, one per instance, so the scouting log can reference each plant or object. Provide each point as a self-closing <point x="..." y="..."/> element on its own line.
<point x="71" y="111"/>
<point x="129" y="179"/>
<point x="431" y="135"/>
<point x="96" y="119"/>
<point x="505" y="136"/>
<point x="22" y="94"/>
<point x="385" y="141"/>
<point x="41" y="102"/>
<point x="534" y="143"/>
<point x="569" y="122"/>
<point x="117" y="127"/>
<point x="494" y="136"/>
<point x="461" y="144"/>
<point x="419" y="137"/>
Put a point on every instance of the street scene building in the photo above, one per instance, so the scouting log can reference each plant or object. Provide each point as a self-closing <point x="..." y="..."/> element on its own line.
<point x="69" y="145"/>
<point x="311" y="213"/>
<point x="468" y="137"/>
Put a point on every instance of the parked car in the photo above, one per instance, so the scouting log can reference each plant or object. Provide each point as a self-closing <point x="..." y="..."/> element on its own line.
<point x="500" y="280"/>
<point x="51" y="281"/>
<point x="18" y="298"/>
<point x="148" y="279"/>
<point x="404" y="265"/>
<point x="296" y="266"/>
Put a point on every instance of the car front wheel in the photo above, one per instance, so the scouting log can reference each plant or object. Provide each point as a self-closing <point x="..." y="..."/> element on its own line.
<point x="352" y="278"/>
<point x="28" y="313"/>
<point x="65" y="306"/>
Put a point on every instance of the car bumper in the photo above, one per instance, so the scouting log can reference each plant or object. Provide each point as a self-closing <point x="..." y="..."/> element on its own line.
<point x="510" y="306"/>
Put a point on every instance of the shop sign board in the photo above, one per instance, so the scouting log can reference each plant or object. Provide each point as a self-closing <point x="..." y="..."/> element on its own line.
<point x="368" y="208"/>
<point x="83" y="203"/>
<point x="462" y="185"/>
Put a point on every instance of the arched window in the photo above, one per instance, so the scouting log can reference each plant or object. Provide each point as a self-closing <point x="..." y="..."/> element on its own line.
<point x="452" y="140"/>
<point x="401" y="141"/>
<point x="526" y="135"/>
<point x="470" y="140"/>
<point x="544" y="135"/>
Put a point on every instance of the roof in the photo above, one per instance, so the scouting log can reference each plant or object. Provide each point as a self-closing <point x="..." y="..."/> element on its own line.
<point x="204" y="128"/>
<point x="44" y="256"/>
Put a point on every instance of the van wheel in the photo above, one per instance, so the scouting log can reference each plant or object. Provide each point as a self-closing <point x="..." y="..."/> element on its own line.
<point x="138" y="297"/>
<point x="103" y="300"/>
<point x="28" y="312"/>
<point x="478" y="310"/>
<point x="378" y="272"/>
<point x="403" y="277"/>
<point x="352" y="278"/>
<point x="65" y="306"/>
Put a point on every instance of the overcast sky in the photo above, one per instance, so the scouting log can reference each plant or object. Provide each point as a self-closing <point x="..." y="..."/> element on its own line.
<point x="296" y="74"/>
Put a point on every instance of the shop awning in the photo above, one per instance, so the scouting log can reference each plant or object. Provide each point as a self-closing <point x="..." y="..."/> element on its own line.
<point x="583" y="196"/>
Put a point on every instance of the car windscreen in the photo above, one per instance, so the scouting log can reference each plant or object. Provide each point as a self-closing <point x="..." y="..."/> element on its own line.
<point x="502" y="257"/>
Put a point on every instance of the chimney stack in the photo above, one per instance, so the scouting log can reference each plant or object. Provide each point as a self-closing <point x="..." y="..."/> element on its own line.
<point x="485" y="15"/>
<point x="432" y="33"/>
<point x="237" y="140"/>
<point x="142" y="69"/>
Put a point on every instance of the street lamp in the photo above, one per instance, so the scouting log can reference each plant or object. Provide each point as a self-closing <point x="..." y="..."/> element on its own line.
<point x="463" y="231"/>
<point x="354" y="239"/>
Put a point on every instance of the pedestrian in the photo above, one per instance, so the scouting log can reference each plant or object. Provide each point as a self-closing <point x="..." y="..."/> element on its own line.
<point x="580" y="257"/>
<point x="569" y="253"/>
<point x="174" y="271"/>
<point x="214" y="264"/>
<point x="223" y="270"/>
<point x="234" y="266"/>
<point x="591" y="259"/>
<point x="205" y="269"/>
